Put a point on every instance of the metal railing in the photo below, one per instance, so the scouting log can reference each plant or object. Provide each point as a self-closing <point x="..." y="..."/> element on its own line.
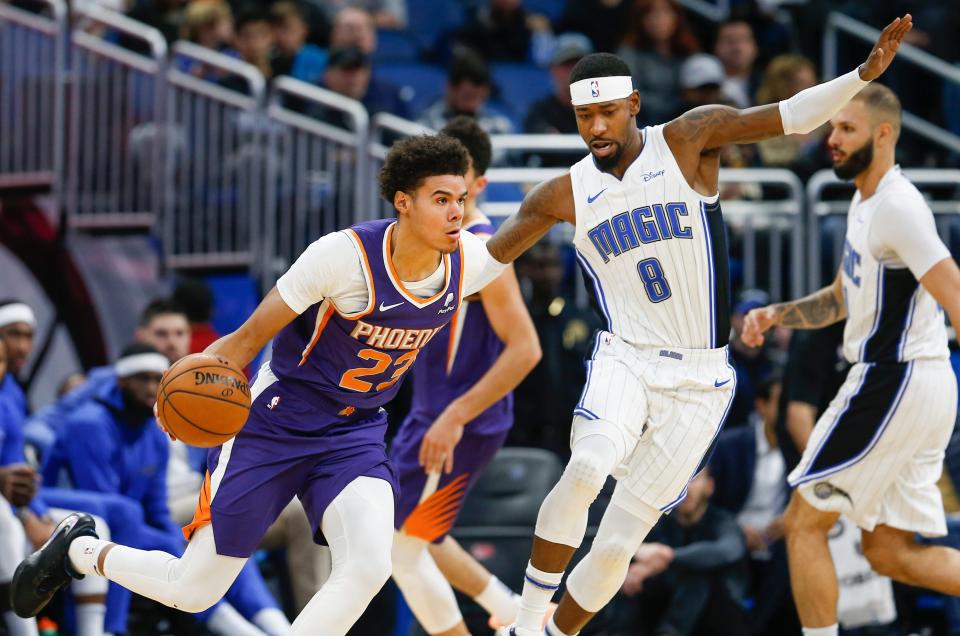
<point x="31" y="95"/>
<point x="216" y="140"/>
<point x="837" y="23"/>
<point x="116" y="95"/>
<point x="825" y="242"/>
<point x="317" y="177"/>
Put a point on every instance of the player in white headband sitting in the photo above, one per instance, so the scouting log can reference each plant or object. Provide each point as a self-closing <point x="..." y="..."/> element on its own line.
<point x="650" y="238"/>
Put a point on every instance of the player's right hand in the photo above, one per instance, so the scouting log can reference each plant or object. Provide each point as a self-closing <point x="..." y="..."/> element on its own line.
<point x="756" y="322"/>
<point x="163" y="428"/>
<point x="18" y="484"/>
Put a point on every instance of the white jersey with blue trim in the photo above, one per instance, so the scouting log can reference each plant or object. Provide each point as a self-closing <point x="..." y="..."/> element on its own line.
<point x="653" y="251"/>
<point x="891" y="243"/>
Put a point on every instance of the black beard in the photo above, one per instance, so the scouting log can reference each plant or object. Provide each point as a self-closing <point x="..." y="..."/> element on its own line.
<point x="607" y="164"/>
<point x="858" y="161"/>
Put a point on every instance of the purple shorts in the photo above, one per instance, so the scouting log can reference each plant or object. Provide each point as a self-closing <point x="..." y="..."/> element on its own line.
<point x="433" y="519"/>
<point x="288" y="447"/>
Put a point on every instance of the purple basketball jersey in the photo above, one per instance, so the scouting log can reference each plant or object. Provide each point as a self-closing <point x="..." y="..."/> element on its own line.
<point x="358" y="360"/>
<point x="454" y="361"/>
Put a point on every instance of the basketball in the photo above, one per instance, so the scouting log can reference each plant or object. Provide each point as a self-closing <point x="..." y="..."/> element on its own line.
<point x="203" y="400"/>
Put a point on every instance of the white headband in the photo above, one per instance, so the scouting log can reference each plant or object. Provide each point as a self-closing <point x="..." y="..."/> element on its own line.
<point x="17" y="312"/>
<point x="594" y="90"/>
<point x="141" y="363"/>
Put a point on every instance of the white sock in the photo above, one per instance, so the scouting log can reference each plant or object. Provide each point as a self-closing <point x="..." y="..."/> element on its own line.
<point x="553" y="630"/>
<point x="17" y="626"/>
<point x="90" y="618"/>
<point x="499" y="601"/>
<point x="226" y="621"/>
<point x="84" y="552"/>
<point x="830" y="630"/>
<point x="538" y="590"/>
<point x="272" y="621"/>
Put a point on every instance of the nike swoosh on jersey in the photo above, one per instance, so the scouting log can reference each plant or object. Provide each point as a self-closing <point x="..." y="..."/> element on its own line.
<point x="389" y="307"/>
<point x="591" y="199"/>
<point x="719" y="384"/>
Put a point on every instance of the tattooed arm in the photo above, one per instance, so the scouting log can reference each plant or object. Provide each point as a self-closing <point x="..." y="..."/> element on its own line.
<point x="819" y="309"/>
<point x="544" y="206"/>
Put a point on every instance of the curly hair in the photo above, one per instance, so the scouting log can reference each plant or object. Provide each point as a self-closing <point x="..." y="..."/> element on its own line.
<point x="412" y="160"/>
<point x="473" y="137"/>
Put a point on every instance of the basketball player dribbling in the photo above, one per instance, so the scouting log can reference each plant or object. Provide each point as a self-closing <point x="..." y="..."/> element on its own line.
<point x="350" y="317"/>
<point x="650" y="238"/>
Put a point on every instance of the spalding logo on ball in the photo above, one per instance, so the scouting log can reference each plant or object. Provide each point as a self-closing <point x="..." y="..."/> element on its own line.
<point x="204" y="400"/>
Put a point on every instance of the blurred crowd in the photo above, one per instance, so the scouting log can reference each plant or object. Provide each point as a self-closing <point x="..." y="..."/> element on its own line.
<point x="373" y="51"/>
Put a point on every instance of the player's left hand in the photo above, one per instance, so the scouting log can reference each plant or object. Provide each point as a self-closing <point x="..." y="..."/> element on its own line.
<point x="886" y="48"/>
<point x="436" y="450"/>
<point x="755" y="323"/>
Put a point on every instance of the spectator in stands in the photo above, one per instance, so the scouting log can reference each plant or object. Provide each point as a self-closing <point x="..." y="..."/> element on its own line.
<point x="701" y="77"/>
<point x="348" y="73"/>
<point x="69" y="383"/>
<point x="751" y="483"/>
<point x="195" y="297"/>
<point x="254" y="43"/>
<point x="209" y="24"/>
<point x="815" y="370"/>
<point x="164" y="15"/>
<point x="654" y="48"/>
<point x="354" y="26"/>
<point x="501" y="30"/>
<point x="752" y="365"/>
<point x="566" y="334"/>
<point x="19" y="481"/>
<point x="785" y="76"/>
<point x="691" y="574"/>
<point x="293" y="55"/>
<point x="386" y="14"/>
<point x="467" y="90"/>
<point x="603" y="21"/>
<point x="554" y="113"/>
<point x="111" y="444"/>
<point x="736" y="47"/>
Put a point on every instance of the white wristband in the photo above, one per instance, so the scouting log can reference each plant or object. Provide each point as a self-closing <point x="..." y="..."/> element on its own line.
<point x="811" y="108"/>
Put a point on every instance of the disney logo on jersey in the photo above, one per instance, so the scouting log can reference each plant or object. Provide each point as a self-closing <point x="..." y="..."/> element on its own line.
<point x="447" y="306"/>
<point x="392" y="337"/>
<point x="647" y="224"/>
<point x="649" y="176"/>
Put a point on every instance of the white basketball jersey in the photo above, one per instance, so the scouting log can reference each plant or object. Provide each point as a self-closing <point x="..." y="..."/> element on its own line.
<point x="653" y="250"/>
<point x="890" y="316"/>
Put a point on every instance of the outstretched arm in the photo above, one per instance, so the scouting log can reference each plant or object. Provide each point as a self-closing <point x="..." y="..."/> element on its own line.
<point x="819" y="309"/>
<point x="545" y="205"/>
<point x="709" y="127"/>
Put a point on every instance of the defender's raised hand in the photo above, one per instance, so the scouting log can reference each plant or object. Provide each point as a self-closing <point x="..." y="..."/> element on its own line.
<point x="886" y="48"/>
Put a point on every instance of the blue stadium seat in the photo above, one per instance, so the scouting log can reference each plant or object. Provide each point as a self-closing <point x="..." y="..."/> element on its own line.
<point x="520" y="85"/>
<point x="395" y="46"/>
<point x="550" y="8"/>
<point x="430" y="19"/>
<point x="423" y="82"/>
<point x="497" y="192"/>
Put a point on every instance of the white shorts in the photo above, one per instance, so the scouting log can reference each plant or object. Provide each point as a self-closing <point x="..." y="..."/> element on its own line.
<point x="13" y="542"/>
<point x="661" y="407"/>
<point x="877" y="452"/>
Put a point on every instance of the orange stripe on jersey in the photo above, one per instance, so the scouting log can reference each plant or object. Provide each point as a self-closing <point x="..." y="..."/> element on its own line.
<point x="434" y="517"/>
<point x="201" y="516"/>
<point x="398" y="283"/>
<point x="368" y="274"/>
<point x="452" y="342"/>
<point x="321" y="325"/>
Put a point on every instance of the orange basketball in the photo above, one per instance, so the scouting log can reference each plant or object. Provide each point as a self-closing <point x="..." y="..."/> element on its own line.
<point x="203" y="400"/>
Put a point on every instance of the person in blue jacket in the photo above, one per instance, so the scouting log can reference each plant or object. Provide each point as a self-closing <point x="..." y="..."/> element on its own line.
<point x="749" y="471"/>
<point x="111" y="444"/>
